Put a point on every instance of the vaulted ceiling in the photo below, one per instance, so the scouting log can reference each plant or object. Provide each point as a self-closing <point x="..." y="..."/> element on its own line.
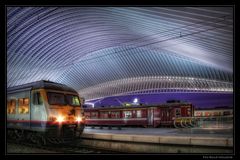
<point x="105" y="51"/>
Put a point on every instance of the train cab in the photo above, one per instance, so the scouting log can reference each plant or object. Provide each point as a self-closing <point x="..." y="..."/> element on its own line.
<point x="44" y="108"/>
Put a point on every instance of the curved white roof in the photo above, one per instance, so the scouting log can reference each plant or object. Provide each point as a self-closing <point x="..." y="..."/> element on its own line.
<point x="88" y="47"/>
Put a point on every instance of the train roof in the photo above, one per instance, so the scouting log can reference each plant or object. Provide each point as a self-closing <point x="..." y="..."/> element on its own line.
<point x="40" y="84"/>
<point x="142" y="106"/>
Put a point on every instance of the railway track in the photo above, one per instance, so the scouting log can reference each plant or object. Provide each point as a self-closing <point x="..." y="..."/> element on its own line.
<point x="74" y="147"/>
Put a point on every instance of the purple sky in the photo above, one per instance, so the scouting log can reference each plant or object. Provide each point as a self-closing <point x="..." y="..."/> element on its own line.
<point x="200" y="100"/>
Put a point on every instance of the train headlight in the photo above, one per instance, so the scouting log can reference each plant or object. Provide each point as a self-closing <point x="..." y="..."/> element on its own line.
<point x="60" y="119"/>
<point x="78" y="119"/>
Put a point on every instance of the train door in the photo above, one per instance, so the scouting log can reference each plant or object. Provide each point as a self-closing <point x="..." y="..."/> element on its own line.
<point x="150" y="116"/>
<point x="177" y="112"/>
<point x="186" y="111"/>
<point x="156" y="117"/>
<point x="165" y="115"/>
<point x="38" y="111"/>
<point x="183" y="111"/>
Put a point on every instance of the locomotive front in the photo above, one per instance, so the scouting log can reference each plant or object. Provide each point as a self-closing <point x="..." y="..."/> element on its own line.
<point x="64" y="113"/>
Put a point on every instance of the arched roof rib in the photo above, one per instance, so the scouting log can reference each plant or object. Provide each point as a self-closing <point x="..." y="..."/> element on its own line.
<point x="89" y="46"/>
<point x="156" y="84"/>
<point x="140" y="62"/>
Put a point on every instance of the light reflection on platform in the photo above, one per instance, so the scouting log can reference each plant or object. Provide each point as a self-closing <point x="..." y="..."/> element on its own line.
<point x="192" y="132"/>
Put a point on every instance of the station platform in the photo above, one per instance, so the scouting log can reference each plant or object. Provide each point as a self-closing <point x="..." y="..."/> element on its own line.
<point x="180" y="136"/>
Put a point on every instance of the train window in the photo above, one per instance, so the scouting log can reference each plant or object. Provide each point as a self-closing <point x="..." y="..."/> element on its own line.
<point x="94" y="114"/>
<point x="198" y="114"/>
<point x="87" y="115"/>
<point x="56" y="98"/>
<point x="207" y="114"/>
<point x="139" y="114"/>
<point x="144" y="113"/>
<point x="226" y="113"/>
<point x="127" y="114"/>
<point x="115" y="114"/>
<point x="72" y="100"/>
<point x="23" y="105"/>
<point x="103" y="114"/>
<point x="37" y="98"/>
<point x="11" y="106"/>
<point x="178" y="112"/>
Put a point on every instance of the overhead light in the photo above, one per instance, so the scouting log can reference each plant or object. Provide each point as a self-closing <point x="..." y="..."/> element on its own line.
<point x="135" y="101"/>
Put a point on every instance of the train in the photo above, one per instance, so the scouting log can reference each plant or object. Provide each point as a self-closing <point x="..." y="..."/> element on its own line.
<point x="141" y="115"/>
<point x="216" y="111"/>
<point x="44" y="112"/>
<point x="173" y="113"/>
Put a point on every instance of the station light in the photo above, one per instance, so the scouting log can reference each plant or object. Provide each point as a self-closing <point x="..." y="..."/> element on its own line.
<point x="135" y="100"/>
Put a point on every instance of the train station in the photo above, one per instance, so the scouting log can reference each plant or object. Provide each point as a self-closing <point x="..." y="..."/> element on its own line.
<point x="120" y="80"/>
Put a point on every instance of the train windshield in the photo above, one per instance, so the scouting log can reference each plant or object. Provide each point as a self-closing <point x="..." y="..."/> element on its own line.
<point x="56" y="98"/>
<point x="72" y="100"/>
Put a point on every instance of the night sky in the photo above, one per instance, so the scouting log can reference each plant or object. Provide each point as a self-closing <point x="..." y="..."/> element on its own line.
<point x="200" y="100"/>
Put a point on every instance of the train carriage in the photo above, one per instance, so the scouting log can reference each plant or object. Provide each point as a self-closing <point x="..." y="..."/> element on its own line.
<point x="213" y="112"/>
<point x="44" y="111"/>
<point x="146" y="115"/>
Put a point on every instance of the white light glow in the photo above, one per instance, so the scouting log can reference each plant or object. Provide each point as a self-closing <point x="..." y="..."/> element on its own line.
<point x="79" y="119"/>
<point x="60" y="119"/>
<point x="135" y="100"/>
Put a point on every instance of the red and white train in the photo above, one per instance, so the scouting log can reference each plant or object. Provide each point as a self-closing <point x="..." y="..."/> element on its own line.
<point x="213" y="112"/>
<point x="145" y="115"/>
